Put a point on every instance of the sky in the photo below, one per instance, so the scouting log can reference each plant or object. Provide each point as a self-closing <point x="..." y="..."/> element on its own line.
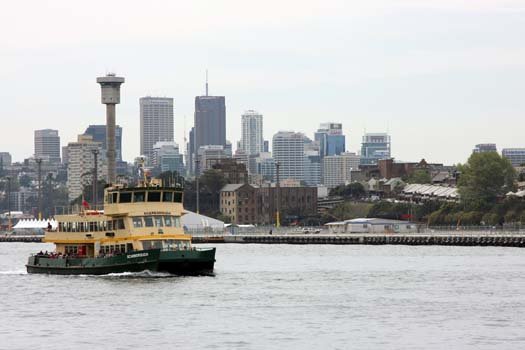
<point x="439" y="75"/>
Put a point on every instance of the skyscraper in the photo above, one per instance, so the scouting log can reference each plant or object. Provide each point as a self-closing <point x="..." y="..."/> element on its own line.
<point x="47" y="145"/>
<point x="167" y="157"/>
<point x="210" y="121"/>
<point x="156" y="123"/>
<point x="252" y="141"/>
<point x="375" y="146"/>
<point x="98" y="132"/>
<point x="331" y="139"/>
<point x="288" y="153"/>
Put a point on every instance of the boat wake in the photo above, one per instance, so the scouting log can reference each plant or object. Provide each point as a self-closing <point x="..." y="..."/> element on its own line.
<point x="14" y="272"/>
<point x="142" y="274"/>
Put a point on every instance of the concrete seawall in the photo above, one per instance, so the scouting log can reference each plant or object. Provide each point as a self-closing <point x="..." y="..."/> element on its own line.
<point x="451" y="239"/>
<point x="506" y="240"/>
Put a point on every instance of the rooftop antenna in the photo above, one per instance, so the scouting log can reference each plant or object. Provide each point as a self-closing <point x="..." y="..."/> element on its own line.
<point x="206" y="82"/>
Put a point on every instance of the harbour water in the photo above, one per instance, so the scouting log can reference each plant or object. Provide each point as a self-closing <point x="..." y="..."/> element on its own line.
<point x="277" y="297"/>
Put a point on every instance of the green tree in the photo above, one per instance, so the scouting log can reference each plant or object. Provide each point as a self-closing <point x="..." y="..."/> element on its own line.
<point x="485" y="177"/>
<point x="419" y="176"/>
<point x="355" y="190"/>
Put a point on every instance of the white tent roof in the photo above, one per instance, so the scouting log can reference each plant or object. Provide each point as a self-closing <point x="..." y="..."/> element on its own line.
<point x="193" y="220"/>
<point x="35" y="224"/>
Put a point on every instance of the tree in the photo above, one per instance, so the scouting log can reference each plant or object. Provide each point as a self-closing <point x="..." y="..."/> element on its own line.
<point x="355" y="190"/>
<point x="485" y="177"/>
<point x="420" y="176"/>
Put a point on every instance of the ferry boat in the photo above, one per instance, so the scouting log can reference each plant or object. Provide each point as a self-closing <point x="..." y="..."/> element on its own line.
<point x="138" y="229"/>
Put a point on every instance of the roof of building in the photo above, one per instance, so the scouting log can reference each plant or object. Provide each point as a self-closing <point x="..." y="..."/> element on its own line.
<point x="431" y="190"/>
<point x="231" y="187"/>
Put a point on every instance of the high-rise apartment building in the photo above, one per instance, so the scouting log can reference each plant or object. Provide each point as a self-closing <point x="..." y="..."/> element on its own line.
<point x="156" y="123"/>
<point x="337" y="169"/>
<point x="375" y="146"/>
<point x="98" y="132"/>
<point x="47" y="145"/>
<point x="485" y="147"/>
<point x="331" y="139"/>
<point x="288" y="153"/>
<point x="81" y="162"/>
<point x="252" y="141"/>
<point x="515" y="155"/>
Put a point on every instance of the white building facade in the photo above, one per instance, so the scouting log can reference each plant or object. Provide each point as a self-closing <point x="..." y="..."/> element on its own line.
<point x="289" y="155"/>
<point x="156" y="123"/>
<point x="47" y="145"/>
<point x="252" y="141"/>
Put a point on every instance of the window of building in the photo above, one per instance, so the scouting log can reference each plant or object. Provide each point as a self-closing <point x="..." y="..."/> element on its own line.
<point x="177" y="197"/>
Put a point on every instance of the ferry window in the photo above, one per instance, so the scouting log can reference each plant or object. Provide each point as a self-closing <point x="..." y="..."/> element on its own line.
<point x="139" y="196"/>
<point x="137" y="222"/>
<point x="177" y="198"/>
<point x="158" y="221"/>
<point x="154" y="196"/>
<point x="167" y="196"/>
<point x="120" y="224"/>
<point x="148" y="220"/>
<point x="114" y="197"/>
<point x="91" y="227"/>
<point x="125" y="197"/>
<point x="168" y="222"/>
<point x="176" y="221"/>
<point x="110" y="225"/>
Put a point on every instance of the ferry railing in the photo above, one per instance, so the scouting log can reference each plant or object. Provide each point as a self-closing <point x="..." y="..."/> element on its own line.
<point x="78" y="209"/>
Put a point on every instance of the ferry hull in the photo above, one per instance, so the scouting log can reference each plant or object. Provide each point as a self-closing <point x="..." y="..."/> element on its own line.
<point x="132" y="262"/>
<point x="187" y="262"/>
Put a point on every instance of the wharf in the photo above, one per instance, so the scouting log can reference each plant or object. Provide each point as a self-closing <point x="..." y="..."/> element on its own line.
<point x="18" y="238"/>
<point x="448" y="239"/>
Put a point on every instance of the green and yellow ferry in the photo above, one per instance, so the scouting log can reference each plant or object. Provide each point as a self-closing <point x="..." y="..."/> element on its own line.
<point x="138" y="229"/>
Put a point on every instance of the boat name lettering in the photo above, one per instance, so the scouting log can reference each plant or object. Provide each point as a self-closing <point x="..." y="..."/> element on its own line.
<point x="138" y="255"/>
<point x="157" y="213"/>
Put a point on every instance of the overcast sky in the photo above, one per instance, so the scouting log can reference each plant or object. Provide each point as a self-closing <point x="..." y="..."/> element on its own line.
<point x="441" y="75"/>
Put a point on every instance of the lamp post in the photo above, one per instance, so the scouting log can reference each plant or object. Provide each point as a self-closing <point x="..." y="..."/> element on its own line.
<point x="39" y="167"/>
<point x="95" y="180"/>
<point x="278" y="190"/>
<point x="197" y="173"/>
<point x="9" y="203"/>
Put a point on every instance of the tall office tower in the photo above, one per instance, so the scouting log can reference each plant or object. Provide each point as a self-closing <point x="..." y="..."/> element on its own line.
<point x="266" y="146"/>
<point x="156" y="123"/>
<point x="47" y="145"/>
<point x="5" y="158"/>
<point x="81" y="162"/>
<point x="190" y="153"/>
<point x="337" y="169"/>
<point x="288" y="153"/>
<point x="167" y="157"/>
<point x="485" y="147"/>
<point x="252" y="141"/>
<point x="515" y="155"/>
<point x="210" y="121"/>
<point x="331" y="139"/>
<point x="375" y="146"/>
<point x="98" y="132"/>
<point x="110" y="88"/>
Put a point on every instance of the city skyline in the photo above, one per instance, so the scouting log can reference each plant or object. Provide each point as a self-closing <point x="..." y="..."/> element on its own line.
<point x="387" y="66"/>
